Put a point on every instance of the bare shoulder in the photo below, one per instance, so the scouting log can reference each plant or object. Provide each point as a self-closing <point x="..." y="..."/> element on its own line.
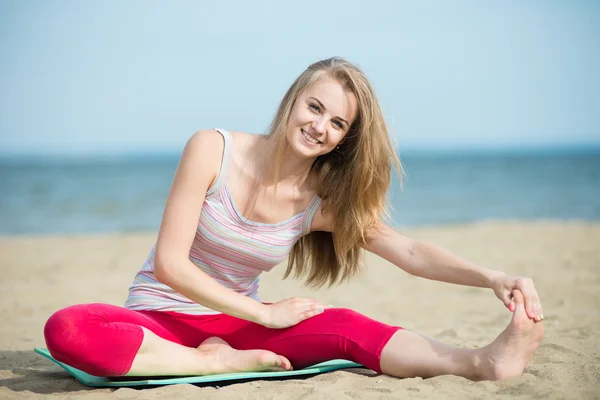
<point x="208" y="144"/>
<point x="246" y="141"/>
<point x="196" y="172"/>
<point x="208" y="140"/>
<point x="203" y="152"/>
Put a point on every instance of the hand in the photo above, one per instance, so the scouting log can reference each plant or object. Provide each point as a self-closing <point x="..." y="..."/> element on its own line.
<point x="289" y="312"/>
<point x="503" y="287"/>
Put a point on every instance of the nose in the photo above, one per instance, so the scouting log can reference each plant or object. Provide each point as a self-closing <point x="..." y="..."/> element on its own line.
<point x="318" y="125"/>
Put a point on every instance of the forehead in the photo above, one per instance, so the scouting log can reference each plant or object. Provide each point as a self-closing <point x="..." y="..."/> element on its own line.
<point x="337" y="100"/>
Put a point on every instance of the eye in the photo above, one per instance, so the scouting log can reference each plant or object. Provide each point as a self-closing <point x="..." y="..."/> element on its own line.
<point x="339" y="124"/>
<point x="315" y="107"/>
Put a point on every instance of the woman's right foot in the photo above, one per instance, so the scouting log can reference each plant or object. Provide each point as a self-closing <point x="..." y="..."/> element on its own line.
<point x="508" y="355"/>
<point x="225" y="359"/>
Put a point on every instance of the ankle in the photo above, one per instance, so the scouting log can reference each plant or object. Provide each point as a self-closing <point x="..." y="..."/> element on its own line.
<point x="483" y="365"/>
<point x="471" y="365"/>
<point x="207" y="359"/>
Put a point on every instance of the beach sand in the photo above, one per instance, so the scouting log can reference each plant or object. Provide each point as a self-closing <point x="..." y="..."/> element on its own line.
<point x="40" y="275"/>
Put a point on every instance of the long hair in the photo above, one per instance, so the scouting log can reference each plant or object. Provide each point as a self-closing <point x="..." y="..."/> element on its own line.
<point x="353" y="180"/>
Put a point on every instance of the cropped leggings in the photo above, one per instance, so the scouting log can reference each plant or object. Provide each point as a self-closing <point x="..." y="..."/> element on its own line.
<point x="103" y="339"/>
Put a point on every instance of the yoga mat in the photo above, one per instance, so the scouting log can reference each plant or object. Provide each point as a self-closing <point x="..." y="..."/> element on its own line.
<point x="97" y="381"/>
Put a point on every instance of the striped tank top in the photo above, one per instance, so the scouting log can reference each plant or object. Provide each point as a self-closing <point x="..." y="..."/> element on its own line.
<point x="228" y="247"/>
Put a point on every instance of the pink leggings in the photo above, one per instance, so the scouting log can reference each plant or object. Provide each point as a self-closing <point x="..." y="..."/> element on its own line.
<point x="103" y="339"/>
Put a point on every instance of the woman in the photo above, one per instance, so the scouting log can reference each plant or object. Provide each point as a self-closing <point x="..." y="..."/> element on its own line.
<point x="313" y="189"/>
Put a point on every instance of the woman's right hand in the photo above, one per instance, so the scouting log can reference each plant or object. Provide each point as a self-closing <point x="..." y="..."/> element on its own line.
<point x="289" y="312"/>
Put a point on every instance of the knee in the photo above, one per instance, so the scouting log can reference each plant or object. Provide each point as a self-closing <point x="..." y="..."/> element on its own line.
<point x="335" y="321"/>
<point x="66" y="331"/>
<point x="350" y="323"/>
<point x="343" y="316"/>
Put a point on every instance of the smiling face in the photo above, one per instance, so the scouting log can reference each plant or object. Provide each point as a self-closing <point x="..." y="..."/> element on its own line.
<point x="321" y="117"/>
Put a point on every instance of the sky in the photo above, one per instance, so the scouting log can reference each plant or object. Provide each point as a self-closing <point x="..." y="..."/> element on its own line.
<point x="83" y="78"/>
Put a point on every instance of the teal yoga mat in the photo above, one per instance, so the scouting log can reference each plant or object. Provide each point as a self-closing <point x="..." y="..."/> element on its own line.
<point x="97" y="381"/>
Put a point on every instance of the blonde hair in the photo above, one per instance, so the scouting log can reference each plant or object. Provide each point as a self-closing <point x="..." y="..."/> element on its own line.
<point x="352" y="181"/>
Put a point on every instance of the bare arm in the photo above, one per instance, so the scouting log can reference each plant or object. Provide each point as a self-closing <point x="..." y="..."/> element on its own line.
<point x="427" y="260"/>
<point x="197" y="170"/>
<point x="417" y="258"/>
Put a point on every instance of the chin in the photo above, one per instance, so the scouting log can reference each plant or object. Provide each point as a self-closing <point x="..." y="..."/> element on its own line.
<point x="299" y="148"/>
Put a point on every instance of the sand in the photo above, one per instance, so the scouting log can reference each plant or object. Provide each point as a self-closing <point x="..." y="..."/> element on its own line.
<point x="44" y="273"/>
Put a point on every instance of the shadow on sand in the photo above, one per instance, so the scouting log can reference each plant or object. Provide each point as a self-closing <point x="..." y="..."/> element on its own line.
<point x="39" y="375"/>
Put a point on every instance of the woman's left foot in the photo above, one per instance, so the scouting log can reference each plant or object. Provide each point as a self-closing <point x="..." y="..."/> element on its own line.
<point x="226" y="359"/>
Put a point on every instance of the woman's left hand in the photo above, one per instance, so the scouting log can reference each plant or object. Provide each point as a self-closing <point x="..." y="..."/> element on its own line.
<point x="503" y="287"/>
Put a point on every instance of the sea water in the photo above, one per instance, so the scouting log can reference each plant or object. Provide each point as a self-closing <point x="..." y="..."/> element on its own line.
<point x="124" y="195"/>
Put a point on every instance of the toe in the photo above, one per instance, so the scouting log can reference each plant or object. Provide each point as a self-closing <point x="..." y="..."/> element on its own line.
<point x="285" y="363"/>
<point x="214" y="340"/>
<point x="518" y="297"/>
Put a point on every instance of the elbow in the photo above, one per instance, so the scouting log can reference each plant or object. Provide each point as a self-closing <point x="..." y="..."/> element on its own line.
<point x="412" y="249"/>
<point x="410" y="260"/>
<point x="164" y="269"/>
<point x="160" y="272"/>
<point x="418" y="262"/>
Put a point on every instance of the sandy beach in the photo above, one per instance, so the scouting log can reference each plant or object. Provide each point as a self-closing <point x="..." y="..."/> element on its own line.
<point x="41" y="274"/>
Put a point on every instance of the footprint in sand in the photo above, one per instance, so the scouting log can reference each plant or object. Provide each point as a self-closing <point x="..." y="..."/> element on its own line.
<point x="447" y="333"/>
<point x="556" y="354"/>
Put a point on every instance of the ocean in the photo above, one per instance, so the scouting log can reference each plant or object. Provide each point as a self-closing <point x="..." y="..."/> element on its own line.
<point x="125" y="195"/>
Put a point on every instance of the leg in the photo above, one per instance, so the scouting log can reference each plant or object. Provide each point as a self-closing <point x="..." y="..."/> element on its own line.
<point x="335" y="334"/>
<point x="158" y="356"/>
<point x="408" y="354"/>
<point x="105" y="340"/>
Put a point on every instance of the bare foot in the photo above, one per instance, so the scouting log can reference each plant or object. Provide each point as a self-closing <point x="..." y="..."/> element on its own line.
<point x="225" y="359"/>
<point x="511" y="351"/>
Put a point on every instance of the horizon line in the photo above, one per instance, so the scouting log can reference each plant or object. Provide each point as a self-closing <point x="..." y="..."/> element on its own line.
<point x="408" y="151"/>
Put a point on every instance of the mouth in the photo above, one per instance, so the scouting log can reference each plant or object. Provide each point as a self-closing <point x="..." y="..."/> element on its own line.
<point x="310" y="138"/>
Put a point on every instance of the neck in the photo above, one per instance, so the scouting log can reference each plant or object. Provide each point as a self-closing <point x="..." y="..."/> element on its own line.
<point x="293" y="168"/>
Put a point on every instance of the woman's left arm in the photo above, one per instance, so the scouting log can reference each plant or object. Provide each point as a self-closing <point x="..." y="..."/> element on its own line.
<point x="429" y="261"/>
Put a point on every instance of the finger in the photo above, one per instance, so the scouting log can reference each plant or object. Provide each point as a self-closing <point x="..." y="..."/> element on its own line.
<point x="521" y="300"/>
<point x="303" y="302"/>
<point x="308" y="299"/>
<point x="532" y="305"/>
<point x="310" y="314"/>
<point x="525" y="285"/>
<point x="532" y="299"/>
<point x="535" y="308"/>
<point x="539" y="310"/>
<point x="529" y="307"/>
<point x="314" y="302"/>
<point x="507" y="300"/>
<point x="527" y="303"/>
<point x="310" y="307"/>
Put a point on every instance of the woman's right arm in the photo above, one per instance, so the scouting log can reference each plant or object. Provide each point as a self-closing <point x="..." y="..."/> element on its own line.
<point x="198" y="169"/>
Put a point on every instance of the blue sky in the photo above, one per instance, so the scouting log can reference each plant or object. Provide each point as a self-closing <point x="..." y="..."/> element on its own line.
<point x="111" y="77"/>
